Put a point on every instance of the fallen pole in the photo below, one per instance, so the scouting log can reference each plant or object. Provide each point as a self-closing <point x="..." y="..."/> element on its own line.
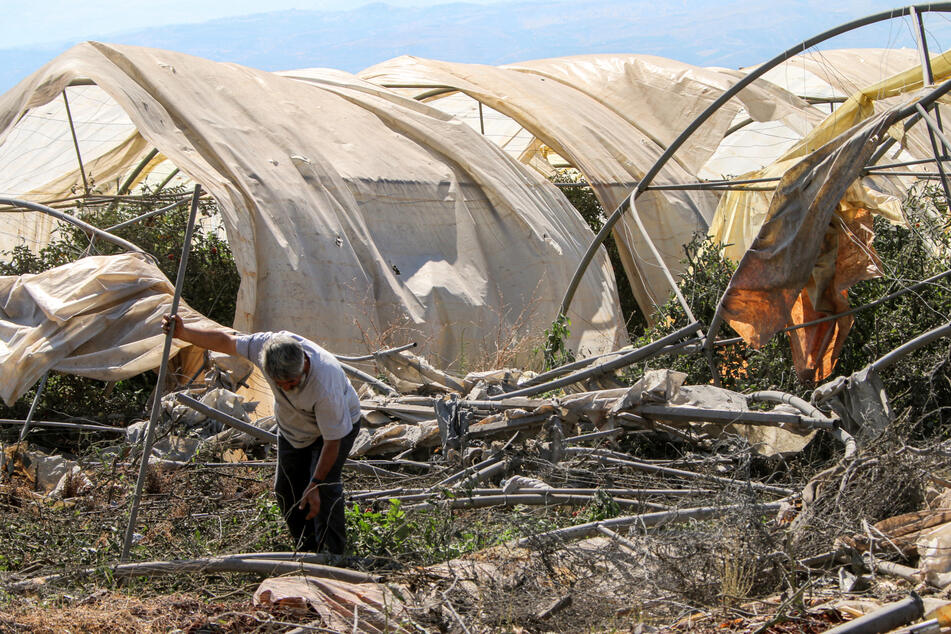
<point x="379" y="353"/>
<point x="683" y="414"/>
<point x="207" y="565"/>
<point x="65" y="425"/>
<point x="643" y="466"/>
<point x="891" y="616"/>
<point x="644" y="520"/>
<point x="366" y="378"/>
<point x="538" y="498"/>
<point x="226" y="419"/>
<point x="626" y="359"/>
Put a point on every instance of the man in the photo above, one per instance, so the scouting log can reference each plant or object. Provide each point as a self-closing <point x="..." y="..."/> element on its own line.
<point x="318" y="417"/>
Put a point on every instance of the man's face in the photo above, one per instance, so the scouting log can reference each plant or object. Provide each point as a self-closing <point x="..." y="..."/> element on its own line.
<point x="292" y="384"/>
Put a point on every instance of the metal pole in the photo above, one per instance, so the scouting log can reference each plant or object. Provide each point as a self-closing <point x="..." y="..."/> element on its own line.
<point x="481" y="119"/>
<point x="88" y="228"/>
<point x="36" y="400"/>
<point x="163" y="369"/>
<point x="72" y="129"/>
<point x="624" y="360"/>
<point x="927" y="73"/>
<point x="165" y="182"/>
<point x="147" y="215"/>
<point x="935" y="131"/>
<point x="124" y="188"/>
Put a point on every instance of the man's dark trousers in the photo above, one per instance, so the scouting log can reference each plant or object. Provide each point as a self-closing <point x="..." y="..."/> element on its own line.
<point x="295" y="468"/>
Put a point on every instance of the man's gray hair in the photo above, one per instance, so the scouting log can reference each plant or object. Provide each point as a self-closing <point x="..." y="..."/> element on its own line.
<point x="283" y="358"/>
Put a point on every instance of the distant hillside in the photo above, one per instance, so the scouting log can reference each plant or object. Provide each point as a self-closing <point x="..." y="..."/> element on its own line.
<point x="728" y="33"/>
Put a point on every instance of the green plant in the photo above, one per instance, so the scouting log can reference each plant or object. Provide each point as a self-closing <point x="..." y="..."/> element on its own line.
<point x="601" y="507"/>
<point x="555" y="351"/>
<point x="378" y="533"/>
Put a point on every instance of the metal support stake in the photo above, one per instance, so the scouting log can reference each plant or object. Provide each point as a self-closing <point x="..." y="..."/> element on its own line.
<point x="72" y="128"/>
<point x="481" y="120"/>
<point x="36" y="401"/>
<point x="163" y="369"/>
<point x="29" y="418"/>
<point x="935" y="131"/>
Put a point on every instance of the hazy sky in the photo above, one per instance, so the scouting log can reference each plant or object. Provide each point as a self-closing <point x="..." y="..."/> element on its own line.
<point x="31" y="22"/>
<point x="27" y="22"/>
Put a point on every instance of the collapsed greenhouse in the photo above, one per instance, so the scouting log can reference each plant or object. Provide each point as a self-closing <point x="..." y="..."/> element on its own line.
<point x="415" y="220"/>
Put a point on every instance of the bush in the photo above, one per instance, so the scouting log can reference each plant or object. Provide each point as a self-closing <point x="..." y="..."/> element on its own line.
<point x="210" y="287"/>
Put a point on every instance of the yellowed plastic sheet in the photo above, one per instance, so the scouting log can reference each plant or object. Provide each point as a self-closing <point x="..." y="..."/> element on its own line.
<point x="740" y="214"/>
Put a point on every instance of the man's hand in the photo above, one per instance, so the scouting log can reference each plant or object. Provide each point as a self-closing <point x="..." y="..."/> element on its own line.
<point x="311" y="498"/>
<point x="168" y="320"/>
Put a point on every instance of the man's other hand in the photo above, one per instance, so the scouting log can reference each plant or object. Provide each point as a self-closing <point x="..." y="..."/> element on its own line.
<point x="312" y="499"/>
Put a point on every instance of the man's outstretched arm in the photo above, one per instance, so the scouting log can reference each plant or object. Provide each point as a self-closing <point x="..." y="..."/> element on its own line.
<point x="216" y="339"/>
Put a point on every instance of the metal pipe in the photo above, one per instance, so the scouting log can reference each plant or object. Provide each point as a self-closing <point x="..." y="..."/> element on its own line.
<point x="378" y="353"/>
<point x="938" y="132"/>
<point x="226" y="419"/>
<point x="927" y="74"/>
<point x="163" y="369"/>
<point x="79" y="158"/>
<point x="165" y="182"/>
<point x="645" y="520"/>
<point x="138" y="170"/>
<point x="907" y="348"/>
<point x="712" y="184"/>
<point x="60" y="424"/>
<point x="149" y="214"/>
<point x="88" y="228"/>
<point x="683" y="414"/>
<point x="904" y="163"/>
<point x="885" y="619"/>
<point x="624" y="360"/>
<point x="680" y="473"/>
<point x="366" y="378"/>
<point x="36" y="401"/>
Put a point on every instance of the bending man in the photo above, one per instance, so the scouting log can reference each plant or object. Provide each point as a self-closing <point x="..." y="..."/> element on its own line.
<point x="318" y="417"/>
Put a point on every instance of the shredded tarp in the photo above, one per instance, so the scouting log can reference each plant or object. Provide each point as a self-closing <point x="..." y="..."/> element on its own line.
<point x="802" y="262"/>
<point x="353" y="213"/>
<point x="342" y="606"/>
<point x="99" y="317"/>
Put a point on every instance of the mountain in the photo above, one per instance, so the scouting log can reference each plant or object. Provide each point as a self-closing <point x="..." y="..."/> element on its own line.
<point x="729" y="33"/>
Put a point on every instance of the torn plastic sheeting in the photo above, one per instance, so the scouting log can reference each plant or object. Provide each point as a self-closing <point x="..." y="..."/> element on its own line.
<point x="781" y="261"/>
<point x="860" y="401"/>
<point x="372" y="608"/>
<point x="99" y="317"/>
